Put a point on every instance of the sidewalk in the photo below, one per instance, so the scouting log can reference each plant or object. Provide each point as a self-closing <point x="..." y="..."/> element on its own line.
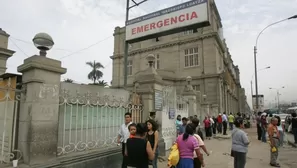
<point x="257" y="157"/>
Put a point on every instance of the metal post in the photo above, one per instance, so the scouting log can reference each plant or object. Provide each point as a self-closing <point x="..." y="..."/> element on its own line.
<point x="256" y="79"/>
<point x="252" y="92"/>
<point x="278" y="99"/>
<point x="126" y="47"/>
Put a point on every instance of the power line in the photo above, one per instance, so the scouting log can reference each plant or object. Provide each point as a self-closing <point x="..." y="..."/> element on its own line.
<point x="85" y="48"/>
<point x="28" y="42"/>
<point x="18" y="47"/>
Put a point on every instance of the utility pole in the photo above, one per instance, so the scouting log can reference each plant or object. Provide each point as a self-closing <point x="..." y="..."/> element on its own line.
<point x="128" y="7"/>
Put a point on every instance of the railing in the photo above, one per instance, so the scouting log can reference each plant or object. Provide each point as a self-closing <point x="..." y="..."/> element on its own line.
<point x="89" y="121"/>
<point x="9" y="105"/>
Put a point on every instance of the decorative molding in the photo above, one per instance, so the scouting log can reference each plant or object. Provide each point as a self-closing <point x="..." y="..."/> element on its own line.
<point x="174" y="43"/>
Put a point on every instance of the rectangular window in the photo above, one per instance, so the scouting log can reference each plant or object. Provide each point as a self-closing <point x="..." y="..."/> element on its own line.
<point x="157" y="62"/>
<point x="191" y="57"/>
<point x="129" y="66"/>
<point x="188" y="32"/>
<point x="196" y="87"/>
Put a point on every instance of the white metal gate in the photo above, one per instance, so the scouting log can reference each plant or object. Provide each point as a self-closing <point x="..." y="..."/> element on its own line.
<point x="9" y="106"/>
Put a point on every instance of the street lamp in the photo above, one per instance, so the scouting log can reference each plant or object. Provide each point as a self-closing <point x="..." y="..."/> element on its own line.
<point x="252" y="92"/>
<point x="128" y="7"/>
<point x="255" y="54"/>
<point x="277" y="95"/>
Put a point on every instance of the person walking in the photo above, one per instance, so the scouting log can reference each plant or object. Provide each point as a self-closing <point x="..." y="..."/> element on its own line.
<point x="138" y="150"/>
<point x="207" y="127"/>
<point x="294" y="126"/>
<point x="274" y="136"/>
<point x="259" y="129"/>
<point x="187" y="144"/>
<point x="231" y="121"/>
<point x="225" y="123"/>
<point x="153" y="138"/>
<point x="240" y="144"/>
<point x="123" y="135"/>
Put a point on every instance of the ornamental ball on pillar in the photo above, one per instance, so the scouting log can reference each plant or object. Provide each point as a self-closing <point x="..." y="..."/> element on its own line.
<point x="151" y="59"/>
<point x="43" y="42"/>
<point x="189" y="79"/>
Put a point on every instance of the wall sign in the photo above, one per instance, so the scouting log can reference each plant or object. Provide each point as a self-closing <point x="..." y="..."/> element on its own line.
<point x="171" y="113"/>
<point x="158" y="100"/>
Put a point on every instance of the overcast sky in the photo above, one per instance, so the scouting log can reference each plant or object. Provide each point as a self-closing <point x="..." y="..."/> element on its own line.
<point x="82" y="31"/>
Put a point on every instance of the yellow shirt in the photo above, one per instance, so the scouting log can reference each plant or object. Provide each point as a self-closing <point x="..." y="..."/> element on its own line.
<point x="231" y="119"/>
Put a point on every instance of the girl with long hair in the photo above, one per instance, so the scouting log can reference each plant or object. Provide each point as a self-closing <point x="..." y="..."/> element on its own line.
<point x="153" y="138"/>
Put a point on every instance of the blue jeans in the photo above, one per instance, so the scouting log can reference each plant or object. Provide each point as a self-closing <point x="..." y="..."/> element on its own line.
<point x="263" y="137"/>
<point x="155" y="161"/>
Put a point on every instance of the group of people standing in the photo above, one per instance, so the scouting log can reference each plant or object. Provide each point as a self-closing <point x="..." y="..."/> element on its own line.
<point x="189" y="141"/>
<point x="271" y="126"/>
<point x="139" y="143"/>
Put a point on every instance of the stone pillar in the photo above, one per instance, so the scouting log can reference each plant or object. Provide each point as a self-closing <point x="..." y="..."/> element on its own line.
<point x="4" y="52"/>
<point x="190" y="95"/>
<point x="150" y="87"/>
<point x="39" y="108"/>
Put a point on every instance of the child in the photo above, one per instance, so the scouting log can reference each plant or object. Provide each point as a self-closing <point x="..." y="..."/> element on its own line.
<point x="132" y="130"/>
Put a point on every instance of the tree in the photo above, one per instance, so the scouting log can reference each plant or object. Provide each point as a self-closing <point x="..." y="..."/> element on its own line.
<point x="102" y="83"/>
<point x="95" y="74"/>
<point x="68" y="80"/>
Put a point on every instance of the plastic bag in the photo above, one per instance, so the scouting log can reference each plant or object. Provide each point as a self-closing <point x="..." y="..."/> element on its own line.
<point x="273" y="149"/>
<point x="173" y="158"/>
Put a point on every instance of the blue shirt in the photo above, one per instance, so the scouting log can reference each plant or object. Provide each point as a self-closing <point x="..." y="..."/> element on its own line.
<point x="182" y="129"/>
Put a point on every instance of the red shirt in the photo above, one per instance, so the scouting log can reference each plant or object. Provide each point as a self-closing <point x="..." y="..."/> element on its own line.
<point x="206" y="123"/>
<point x="132" y="136"/>
<point x="220" y="119"/>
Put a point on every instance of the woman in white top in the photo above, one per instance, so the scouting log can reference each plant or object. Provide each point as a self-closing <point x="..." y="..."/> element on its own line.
<point x="280" y="127"/>
<point x="197" y="163"/>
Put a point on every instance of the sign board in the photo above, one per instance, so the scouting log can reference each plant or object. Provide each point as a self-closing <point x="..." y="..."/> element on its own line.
<point x="191" y="14"/>
<point x="261" y="102"/>
<point x="171" y="113"/>
<point x="158" y="100"/>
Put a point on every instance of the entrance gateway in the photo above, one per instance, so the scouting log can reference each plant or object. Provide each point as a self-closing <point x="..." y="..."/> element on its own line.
<point x="188" y="15"/>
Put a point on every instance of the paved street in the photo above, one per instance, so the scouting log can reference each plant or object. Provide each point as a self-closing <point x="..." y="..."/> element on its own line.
<point x="258" y="155"/>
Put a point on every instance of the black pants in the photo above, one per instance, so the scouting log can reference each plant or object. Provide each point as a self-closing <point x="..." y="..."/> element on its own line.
<point x="225" y="127"/>
<point x="124" y="163"/>
<point x="239" y="159"/>
<point x="197" y="163"/>
<point x="208" y="132"/>
<point x="214" y="129"/>
<point x="259" y="132"/>
<point x="220" y="128"/>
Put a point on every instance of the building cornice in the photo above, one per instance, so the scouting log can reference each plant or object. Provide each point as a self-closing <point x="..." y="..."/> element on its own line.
<point x="173" y="43"/>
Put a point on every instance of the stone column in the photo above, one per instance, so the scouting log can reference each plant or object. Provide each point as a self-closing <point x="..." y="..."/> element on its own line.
<point x="4" y="52"/>
<point x="150" y="87"/>
<point x="39" y="108"/>
<point x="190" y="95"/>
